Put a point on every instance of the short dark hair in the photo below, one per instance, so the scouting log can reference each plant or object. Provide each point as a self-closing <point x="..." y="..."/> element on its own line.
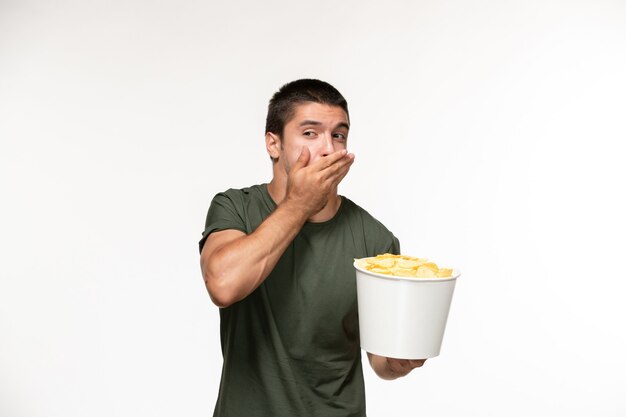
<point x="283" y="103"/>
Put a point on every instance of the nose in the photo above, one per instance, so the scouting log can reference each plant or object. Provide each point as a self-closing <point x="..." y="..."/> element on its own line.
<point x="327" y="147"/>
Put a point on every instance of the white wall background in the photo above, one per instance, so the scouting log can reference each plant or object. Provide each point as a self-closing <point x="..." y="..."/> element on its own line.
<point x="487" y="133"/>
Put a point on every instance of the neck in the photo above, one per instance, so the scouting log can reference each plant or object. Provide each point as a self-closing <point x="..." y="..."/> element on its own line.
<point x="277" y="189"/>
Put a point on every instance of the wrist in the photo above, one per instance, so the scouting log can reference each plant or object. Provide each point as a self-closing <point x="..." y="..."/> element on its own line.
<point x="297" y="211"/>
<point x="299" y="204"/>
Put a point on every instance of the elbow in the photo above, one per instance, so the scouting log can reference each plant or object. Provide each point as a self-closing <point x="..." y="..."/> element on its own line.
<point x="217" y="284"/>
<point x="220" y="294"/>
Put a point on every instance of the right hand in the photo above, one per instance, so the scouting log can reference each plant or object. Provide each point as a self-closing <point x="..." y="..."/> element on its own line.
<point x="310" y="186"/>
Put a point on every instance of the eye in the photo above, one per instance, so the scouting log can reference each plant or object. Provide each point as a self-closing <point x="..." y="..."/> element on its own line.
<point x="339" y="136"/>
<point x="309" y="133"/>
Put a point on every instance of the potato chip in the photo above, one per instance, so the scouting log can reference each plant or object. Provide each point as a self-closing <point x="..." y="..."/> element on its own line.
<point x="430" y="265"/>
<point x="409" y="263"/>
<point x="383" y="263"/>
<point x="403" y="272"/>
<point x="444" y="272"/>
<point x="425" y="272"/>
<point x="404" y="266"/>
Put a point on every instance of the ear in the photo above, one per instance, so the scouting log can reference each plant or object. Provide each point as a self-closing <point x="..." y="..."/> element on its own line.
<point x="272" y="144"/>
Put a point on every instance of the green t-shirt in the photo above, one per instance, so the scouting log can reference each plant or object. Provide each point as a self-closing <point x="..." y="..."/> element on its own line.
<point x="291" y="348"/>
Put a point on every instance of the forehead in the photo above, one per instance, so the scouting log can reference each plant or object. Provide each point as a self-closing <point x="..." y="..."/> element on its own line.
<point x="323" y="113"/>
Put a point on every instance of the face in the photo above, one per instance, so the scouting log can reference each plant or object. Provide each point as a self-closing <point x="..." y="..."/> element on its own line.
<point x="320" y="127"/>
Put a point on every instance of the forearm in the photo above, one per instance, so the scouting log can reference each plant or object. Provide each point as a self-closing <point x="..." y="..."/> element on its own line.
<point x="237" y="268"/>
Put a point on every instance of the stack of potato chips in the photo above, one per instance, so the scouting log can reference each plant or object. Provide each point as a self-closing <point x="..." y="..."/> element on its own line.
<point x="404" y="266"/>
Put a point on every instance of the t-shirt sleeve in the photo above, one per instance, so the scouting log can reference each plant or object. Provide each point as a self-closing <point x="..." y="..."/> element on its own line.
<point x="223" y="215"/>
<point x="385" y="242"/>
<point x="394" y="248"/>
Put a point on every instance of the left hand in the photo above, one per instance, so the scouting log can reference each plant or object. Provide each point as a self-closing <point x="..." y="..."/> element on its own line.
<point x="392" y="368"/>
<point x="402" y="367"/>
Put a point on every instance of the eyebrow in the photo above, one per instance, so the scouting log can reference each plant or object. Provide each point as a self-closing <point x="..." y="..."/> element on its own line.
<point x="316" y="123"/>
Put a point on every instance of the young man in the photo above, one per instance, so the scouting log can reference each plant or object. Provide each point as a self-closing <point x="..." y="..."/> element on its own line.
<point x="277" y="259"/>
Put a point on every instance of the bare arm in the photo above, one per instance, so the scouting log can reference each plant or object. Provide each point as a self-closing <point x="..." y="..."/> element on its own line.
<point x="234" y="264"/>
<point x="391" y="368"/>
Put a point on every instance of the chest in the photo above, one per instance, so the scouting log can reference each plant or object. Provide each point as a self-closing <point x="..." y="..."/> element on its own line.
<point x="312" y="289"/>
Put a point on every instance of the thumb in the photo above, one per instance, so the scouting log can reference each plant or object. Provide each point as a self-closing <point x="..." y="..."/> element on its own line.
<point x="303" y="159"/>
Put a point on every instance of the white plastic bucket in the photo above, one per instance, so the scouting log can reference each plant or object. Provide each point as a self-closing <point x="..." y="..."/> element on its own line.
<point x="403" y="317"/>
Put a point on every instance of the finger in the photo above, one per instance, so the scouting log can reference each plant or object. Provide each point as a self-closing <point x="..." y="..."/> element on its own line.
<point x="329" y="160"/>
<point x="303" y="159"/>
<point x="330" y="169"/>
<point x="335" y="180"/>
<point x="417" y="363"/>
<point x="339" y="169"/>
<point x="398" y="366"/>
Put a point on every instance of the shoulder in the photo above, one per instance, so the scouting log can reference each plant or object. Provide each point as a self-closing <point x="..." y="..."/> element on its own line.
<point x="379" y="238"/>
<point x="356" y="212"/>
<point x="235" y="208"/>
<point x="236" y="204"/>
<point x="240" y="196"/>
<point x="243" y="192"/>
